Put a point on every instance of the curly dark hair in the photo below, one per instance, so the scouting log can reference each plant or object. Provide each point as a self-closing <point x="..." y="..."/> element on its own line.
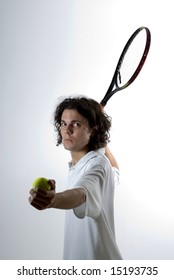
<point x="99" y="121"/>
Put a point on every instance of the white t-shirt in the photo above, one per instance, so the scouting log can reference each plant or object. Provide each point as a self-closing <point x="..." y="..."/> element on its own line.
<point x="89" y="228"/>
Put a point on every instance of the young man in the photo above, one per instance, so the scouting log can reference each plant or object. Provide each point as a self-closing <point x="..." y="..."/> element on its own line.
<point x="93" y="173"/>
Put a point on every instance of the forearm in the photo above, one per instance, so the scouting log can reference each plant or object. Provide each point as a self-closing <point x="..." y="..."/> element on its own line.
<point x="69" y="199"/>
<point x="111" y="157"/>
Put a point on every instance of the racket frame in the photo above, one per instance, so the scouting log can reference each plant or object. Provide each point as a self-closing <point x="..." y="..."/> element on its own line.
<point x="113" y="83"/>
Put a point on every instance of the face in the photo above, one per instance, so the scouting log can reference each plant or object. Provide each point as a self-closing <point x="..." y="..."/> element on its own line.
<point x="75" y="131"/>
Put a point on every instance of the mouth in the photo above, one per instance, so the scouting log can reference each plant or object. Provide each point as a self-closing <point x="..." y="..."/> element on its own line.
<point x="67" y="140"/>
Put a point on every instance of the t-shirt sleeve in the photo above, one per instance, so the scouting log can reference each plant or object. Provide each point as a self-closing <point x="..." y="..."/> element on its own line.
<point x="92" y="181"/>
<point x="116" y="173"/>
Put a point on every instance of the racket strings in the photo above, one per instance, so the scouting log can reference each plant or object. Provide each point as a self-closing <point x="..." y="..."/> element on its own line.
<point x="131" y="59"/>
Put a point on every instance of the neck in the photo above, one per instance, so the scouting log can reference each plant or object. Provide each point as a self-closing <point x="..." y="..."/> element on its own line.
<point x="76" y="156"/>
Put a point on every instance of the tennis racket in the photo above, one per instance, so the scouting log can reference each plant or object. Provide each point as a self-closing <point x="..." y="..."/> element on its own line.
<point x="130" y="62"/>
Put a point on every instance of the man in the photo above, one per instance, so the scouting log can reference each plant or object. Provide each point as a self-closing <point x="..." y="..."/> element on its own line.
<point x="83" y="128"/>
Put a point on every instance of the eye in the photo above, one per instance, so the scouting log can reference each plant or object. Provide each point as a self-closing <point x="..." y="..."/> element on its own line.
<point x="62" y="124"/>
<point x="76" y="124"/>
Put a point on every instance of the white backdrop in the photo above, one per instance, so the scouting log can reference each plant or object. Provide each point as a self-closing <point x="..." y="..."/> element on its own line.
<point x="63" y="47"/>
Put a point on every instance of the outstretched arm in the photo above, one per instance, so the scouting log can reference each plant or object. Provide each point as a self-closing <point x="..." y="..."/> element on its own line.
<point x="42" y="199"/>
<point x="69" y="199"/>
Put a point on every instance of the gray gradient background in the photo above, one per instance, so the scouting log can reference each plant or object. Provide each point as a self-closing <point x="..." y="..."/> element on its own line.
<point x="53" y="48"/>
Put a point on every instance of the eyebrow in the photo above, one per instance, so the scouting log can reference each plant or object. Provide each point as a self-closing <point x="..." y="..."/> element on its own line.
<point x="72" y="121"/>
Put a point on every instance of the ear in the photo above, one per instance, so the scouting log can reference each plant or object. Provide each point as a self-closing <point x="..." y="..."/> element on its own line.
<point x="94" y="130"/>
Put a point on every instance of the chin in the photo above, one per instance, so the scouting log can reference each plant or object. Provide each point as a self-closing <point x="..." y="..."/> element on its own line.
<point x="67" y="147"/>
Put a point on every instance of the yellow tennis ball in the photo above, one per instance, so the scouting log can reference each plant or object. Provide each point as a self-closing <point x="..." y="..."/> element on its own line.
<point x="42" y="183"/>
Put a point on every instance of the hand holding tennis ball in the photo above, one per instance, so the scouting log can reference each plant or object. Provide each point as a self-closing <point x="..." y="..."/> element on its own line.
<point x="42" y="183"/>
<point x="42" y="194"/>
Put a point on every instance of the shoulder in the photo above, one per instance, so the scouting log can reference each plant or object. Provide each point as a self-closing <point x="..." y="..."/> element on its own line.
<point x="97" y="159"/>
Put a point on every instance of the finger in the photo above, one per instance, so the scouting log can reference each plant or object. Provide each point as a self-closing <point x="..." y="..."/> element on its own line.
<point x="33" y="202"/>
<point x="33" y="191"/>
<point x="36" y="204"/>
<point x="43" y="198"/>
<point x="42" y="195"/>
<point x="36" y="191"/>
<point x="39" y="202"/>
<point x="52" y="182"/>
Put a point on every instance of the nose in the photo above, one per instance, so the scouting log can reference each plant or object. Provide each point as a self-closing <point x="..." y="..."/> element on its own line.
<point x="69" y="129"/>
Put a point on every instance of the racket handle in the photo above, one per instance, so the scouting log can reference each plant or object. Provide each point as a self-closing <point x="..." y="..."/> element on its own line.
<point x="103" y="104"/>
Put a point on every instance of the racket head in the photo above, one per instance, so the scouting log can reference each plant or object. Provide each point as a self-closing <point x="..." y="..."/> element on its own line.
<point x="130" y="63"/>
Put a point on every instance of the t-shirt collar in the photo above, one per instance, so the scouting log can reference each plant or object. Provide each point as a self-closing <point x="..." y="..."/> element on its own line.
<point x="86" y="157"/>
